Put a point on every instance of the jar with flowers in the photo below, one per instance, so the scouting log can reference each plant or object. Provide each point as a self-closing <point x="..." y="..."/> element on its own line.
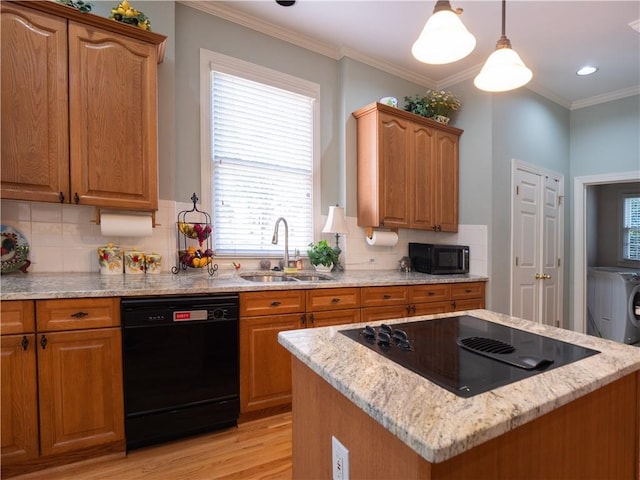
<point x="435" y="104"/>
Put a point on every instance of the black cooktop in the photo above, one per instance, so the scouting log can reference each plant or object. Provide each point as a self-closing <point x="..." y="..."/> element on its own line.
<point x="467" y="355"/>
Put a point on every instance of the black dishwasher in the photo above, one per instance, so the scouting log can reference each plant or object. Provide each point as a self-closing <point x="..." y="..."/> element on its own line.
<point x="180" y="366"/>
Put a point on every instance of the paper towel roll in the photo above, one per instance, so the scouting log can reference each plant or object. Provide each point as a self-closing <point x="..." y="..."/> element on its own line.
<point x="383" y="239"/>
<point x="122" y="225"/>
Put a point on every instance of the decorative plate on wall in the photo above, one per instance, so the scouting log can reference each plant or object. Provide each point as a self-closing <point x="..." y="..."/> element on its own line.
<point x="14" y="250"/>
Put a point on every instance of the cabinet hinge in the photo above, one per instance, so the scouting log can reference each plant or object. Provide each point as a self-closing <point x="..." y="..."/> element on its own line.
<point x="516" y="261"/>
<point x="559" y="262"/>
<point x="517" y="189"/>
<point x="560" y="199"/>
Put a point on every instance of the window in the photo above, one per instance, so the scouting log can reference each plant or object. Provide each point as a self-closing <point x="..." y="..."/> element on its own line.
<point x="260" y="156"/>
<point x="631" y="227"/>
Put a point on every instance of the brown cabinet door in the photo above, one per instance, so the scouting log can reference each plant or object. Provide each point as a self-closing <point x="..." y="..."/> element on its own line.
<point x="80" y="389"/>
<point x="19" y="399"/>
<point x="395" y="137"/>
<point x="113" y="119"/>
<point x="446" y="182"/>
<point x="332" y="299"/>
<point x="35" y="148"/>
<point x="265" y="365"/>
<point x="431" y="308"/>
<point x="335" y="317"/>
<point x="422" y="178"/>
<point x="473" y="304"/>
<point x="17" y="316"/>
<point x="77" y="313"/>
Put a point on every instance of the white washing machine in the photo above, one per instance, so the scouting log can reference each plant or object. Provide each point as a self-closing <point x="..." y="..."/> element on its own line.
<point x="613" y="303"/>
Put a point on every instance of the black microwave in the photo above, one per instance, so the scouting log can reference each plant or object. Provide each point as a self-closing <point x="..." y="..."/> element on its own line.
<point x="439" y="259"/>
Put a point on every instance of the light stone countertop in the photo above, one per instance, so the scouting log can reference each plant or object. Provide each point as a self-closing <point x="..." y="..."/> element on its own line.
<point x="30" y="286"/>
<point x="435" y="423"/>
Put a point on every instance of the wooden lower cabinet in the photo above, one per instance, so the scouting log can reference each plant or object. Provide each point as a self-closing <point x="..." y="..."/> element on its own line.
<point x="265" y="366"/>
<point x="19" y="399"/>
<point x="62" y="397"/>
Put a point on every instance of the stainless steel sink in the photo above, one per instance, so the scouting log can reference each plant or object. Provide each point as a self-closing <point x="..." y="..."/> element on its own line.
<point x="267" y="278"/>
<point x="310" y="277"/>
<point x="296" y="277"/>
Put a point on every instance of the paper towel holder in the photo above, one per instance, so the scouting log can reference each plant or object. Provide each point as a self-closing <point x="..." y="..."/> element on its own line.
<point x="370" y="232"/>
<point x="98" y="213"/>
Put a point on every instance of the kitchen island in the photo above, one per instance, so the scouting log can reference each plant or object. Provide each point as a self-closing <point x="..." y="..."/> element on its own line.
<point x="580" y="420"/>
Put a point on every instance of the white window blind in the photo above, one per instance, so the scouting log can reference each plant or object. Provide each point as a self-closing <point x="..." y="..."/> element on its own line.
<point x="631" y="228"/>
<point x="262" y="166"/>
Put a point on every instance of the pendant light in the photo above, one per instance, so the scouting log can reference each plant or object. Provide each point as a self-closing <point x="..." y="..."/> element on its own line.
<point x="504" y="69"/>
<point x="444" y="38"/>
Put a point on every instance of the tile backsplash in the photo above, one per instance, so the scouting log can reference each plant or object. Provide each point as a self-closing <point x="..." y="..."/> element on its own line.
<point x="65" y="238"/>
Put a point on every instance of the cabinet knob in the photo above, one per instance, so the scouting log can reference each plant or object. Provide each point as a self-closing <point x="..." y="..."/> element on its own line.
<point x="79" y="314"/>
<point x="76" y="198"/>
<point x="61" y="197"/>
<point x="430" y="294"/>
<point x="275" y="303"/>
<point x="25" y="343"/>
<point x="311" y="318"/>
<point x="303" y="319"/>
<point x="43" y="341"/>
<point x="413" y="309"/>
<point x="335" y="300"/>
<point x="386" y="296"/>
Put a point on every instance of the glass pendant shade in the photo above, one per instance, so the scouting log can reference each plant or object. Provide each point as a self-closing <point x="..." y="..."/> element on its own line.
<point x="504" y="70"/>
<point x="444" y="39"/>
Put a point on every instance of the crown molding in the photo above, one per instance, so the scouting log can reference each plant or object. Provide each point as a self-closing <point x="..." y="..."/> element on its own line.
<point x="262" y="26"/>
<point x="606" y="97"/>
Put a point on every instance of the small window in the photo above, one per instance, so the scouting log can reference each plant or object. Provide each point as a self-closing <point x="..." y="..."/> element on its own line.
<point x="261" y="157"/>
<point x="631" y="227"/>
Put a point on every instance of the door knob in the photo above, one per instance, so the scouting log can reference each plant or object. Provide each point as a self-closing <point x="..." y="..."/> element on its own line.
<point x="546" y="276"/>
<point x="539" y="276"/>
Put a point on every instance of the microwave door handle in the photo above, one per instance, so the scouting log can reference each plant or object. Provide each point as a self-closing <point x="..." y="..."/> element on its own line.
<point x="465" y="259"/>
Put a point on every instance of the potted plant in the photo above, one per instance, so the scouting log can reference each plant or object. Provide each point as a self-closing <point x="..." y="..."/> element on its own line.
<point x="322" y="256"/>
<point x="438" y="105"/>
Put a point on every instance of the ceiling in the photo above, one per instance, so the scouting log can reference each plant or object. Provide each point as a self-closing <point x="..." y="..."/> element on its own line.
<point x="554" y="38"/>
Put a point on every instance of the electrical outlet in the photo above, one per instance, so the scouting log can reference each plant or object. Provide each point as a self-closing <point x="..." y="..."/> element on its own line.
<point x="340" y="458"/>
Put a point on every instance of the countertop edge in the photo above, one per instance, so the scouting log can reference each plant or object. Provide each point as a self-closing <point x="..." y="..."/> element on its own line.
<point x="40" y="286"/>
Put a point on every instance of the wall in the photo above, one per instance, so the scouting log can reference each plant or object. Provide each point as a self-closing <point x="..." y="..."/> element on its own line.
<point x="609" y="223"/>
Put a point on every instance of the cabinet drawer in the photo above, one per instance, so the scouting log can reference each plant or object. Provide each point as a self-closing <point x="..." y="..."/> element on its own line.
<point x="375" y="314"/>
<point x="332" y="299"/>
<point x="461" y="291"/>
<point x="18" y="316"/>
<point x="430" y="308"/>
<point x="337" y="317"/>
<point x="383" y="296"/>
<point x="437" y="292"/>
<point x="77" y="314"/>
<point x="471" y="304"/>
<point x="271" y="302"/>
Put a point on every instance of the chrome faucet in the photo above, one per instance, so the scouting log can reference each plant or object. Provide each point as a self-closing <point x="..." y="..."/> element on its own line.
<point x="274" y="240"/>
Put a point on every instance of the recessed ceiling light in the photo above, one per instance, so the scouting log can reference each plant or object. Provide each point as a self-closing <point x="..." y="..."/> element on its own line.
<point x="588" y="70"/>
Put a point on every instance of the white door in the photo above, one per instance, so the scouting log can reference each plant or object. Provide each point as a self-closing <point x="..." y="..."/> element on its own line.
<point x="537" y="239"/>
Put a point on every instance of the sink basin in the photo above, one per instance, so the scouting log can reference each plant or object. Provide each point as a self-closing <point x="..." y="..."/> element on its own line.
<point x="310" y="277"/>
<point x="297" y="277"/>
<point x="267" y="278"/>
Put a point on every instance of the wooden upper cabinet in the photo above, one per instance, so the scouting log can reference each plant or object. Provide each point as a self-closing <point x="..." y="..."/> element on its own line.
<point x="113" y="119"/>
<point x="407" y="170"/>
<point x="34" y="114"/>
<point x="78" y="127"/>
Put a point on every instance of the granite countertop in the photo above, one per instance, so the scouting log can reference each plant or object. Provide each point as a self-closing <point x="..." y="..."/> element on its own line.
<point x="30" y="286"/>
<point x="435" y="423"/>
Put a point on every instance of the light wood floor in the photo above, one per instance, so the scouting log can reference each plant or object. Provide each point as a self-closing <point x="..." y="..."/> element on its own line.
<point x="260" y="449"/>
